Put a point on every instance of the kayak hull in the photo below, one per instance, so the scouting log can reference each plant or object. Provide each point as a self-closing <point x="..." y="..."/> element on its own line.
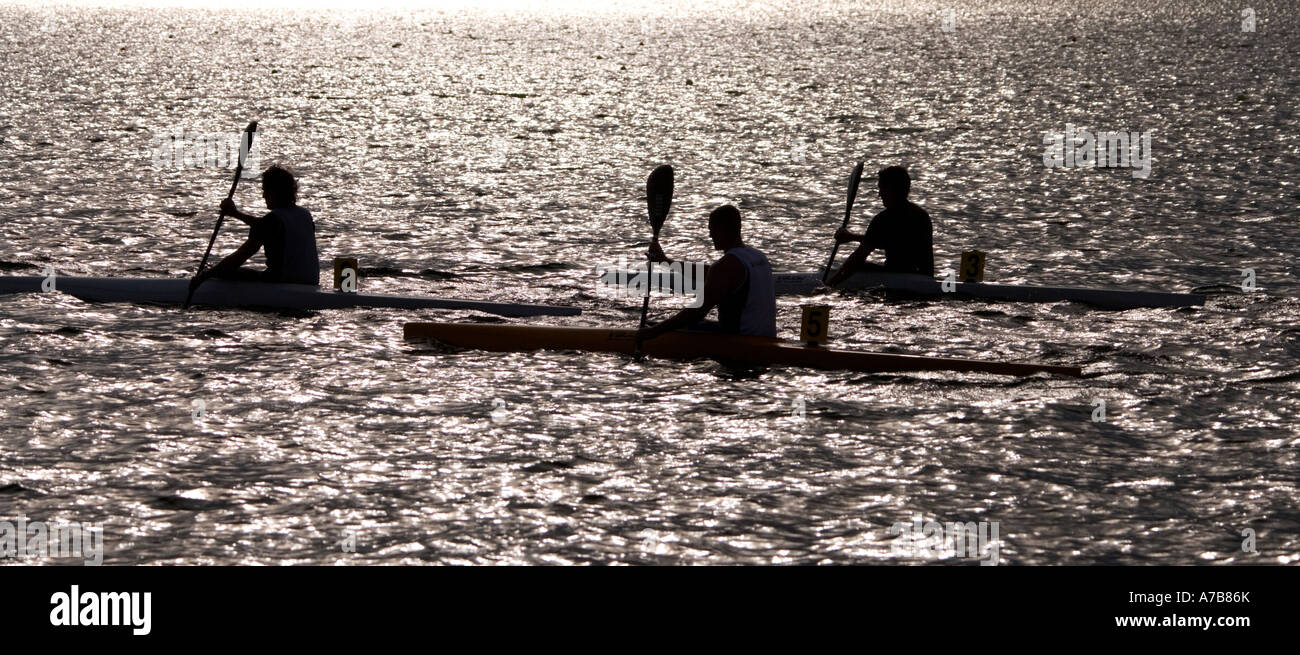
<point x="227" y="293"/>
<point x="926" y="287"/>
<point x="693" y="345"/>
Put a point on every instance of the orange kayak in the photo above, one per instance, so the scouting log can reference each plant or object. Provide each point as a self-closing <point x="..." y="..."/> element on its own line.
<point x="694" y="345"/>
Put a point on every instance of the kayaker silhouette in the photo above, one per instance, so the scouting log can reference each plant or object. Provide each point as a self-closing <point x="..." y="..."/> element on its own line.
<point x="739" y="284"/>
<point x="287" y="232"/>
<point x="903" y="230"/>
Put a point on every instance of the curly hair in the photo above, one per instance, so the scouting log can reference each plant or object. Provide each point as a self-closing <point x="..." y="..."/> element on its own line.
<point x="280" y="182"/>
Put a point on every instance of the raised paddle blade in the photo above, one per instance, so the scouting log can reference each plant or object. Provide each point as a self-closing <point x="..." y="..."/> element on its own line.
<point x="245" y="146"/>
<point x="247" y="143"/>
<point x="659" y="195"/>
<point x="855" y="178"/>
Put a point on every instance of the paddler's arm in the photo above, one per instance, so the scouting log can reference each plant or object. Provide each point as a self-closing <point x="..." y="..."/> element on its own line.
<point x="843" y="235"/>
<point x="229" y="209"/>
<point x="232" y="261"/>
<point x="724" y="276"/>
<point x="656" y="254"/>
<point x="855" y="260"/>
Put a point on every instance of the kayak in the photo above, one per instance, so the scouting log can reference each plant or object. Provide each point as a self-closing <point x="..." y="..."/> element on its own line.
<point x="761" y="351"/>
<point x="924" y="286"/>
<point x="227" y="293"/>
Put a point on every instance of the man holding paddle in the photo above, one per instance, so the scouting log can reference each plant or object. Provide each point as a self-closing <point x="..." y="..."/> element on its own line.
<point x="903" y="230"/>
<point x="739" y="285"/>
<point x="287" y="232"/>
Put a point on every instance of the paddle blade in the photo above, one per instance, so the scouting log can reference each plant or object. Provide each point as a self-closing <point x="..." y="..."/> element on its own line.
<point x="659" y="195"/>
<point x="246" y="144"/>
<point x="854" y="180"/>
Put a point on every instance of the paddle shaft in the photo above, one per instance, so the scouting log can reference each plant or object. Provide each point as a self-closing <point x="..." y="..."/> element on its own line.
<point x="645" y="303"/>
<point x="854" y="180"/>
<point x="221" y="216"/>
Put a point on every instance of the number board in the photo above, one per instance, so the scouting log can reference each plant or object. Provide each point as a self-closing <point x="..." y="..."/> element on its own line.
<point x="972" y="265"/>
<point x="815" y="324"/>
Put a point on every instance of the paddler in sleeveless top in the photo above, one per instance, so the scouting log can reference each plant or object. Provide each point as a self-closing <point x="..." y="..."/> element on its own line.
<point x="287" y="233"/>
<point x="902" y="230"/>
<point x="739" y="284"/>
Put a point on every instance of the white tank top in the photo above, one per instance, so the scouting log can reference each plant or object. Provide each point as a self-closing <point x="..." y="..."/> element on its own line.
<point x="757" y="309"/>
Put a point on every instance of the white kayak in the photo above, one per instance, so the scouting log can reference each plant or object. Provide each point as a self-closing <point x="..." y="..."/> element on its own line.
<point x="225" y="293"/>
<point x="924" y="286"/>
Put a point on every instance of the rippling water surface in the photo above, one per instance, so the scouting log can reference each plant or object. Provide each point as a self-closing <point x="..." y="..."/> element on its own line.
<point x="501" y="153"/>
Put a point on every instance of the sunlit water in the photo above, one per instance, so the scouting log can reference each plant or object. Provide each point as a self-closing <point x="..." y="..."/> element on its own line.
<point x="501" y="153"/>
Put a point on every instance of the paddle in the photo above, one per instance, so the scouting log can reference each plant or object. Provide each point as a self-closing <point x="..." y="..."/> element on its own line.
<point x="658" y="198"/>
<point x="854" y="179"/>
<point x="245" y="145"/>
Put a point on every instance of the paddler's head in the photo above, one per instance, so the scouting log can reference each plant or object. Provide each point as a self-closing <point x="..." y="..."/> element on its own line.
<point x="895" y="184"/>
<point x="279" y="188"/>
<point x="724" y="227"/>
